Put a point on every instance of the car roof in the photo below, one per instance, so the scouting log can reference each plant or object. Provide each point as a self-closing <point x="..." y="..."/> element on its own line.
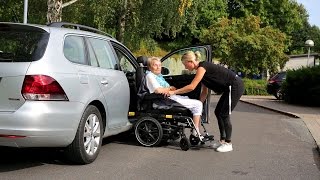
<point x="65" y="30"/>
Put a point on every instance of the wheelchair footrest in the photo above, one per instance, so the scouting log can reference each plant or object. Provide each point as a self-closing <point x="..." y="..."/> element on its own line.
<point x="208" y="138"/>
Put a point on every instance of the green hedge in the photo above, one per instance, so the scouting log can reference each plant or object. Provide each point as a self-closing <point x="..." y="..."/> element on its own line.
<point x="255" y="87"/>
<point x="302" y="86"/>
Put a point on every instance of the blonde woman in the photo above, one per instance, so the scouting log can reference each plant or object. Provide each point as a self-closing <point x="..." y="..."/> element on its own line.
<point x="157" y="84"/>
<point x="216" y="78"/>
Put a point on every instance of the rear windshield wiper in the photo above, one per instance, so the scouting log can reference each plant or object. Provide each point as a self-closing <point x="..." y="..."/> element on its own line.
<point x="5" y="60"/>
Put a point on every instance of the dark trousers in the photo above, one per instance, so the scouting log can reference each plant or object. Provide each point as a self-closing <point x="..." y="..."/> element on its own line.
<point x="222" y="108"/>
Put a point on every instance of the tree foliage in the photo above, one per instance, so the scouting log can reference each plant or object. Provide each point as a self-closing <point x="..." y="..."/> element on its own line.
<point x="282" y="26"/>
<point x="246" y="46"/>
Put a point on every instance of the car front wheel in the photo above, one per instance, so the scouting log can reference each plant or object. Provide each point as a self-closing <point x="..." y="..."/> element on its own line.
<point x="87" y="143"/>
<point x="279" y="94"/>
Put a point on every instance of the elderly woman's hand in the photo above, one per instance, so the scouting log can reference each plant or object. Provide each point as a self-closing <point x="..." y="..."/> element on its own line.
<point x="171" y="93"/>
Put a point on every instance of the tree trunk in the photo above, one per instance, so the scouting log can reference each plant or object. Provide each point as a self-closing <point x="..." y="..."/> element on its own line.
<point x="54" y="13"/>
<point x="122" y="23"/>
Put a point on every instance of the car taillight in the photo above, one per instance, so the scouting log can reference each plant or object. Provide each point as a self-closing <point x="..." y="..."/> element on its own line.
<point x="42" y="88"/>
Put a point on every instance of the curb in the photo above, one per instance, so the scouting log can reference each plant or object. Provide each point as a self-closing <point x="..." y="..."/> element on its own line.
<point x="271" y="109"/>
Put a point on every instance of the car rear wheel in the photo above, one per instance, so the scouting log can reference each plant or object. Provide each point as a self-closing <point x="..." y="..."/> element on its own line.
<point x="86" y="145"/>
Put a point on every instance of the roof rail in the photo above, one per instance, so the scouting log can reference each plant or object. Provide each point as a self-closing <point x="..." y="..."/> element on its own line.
<point x="78" y="27"/>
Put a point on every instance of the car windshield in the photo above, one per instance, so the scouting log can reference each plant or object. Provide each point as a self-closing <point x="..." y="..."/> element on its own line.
<point x="20" y="44"/>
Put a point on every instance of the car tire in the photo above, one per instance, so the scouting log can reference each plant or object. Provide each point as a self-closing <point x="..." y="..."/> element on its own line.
<point x="87" y="143"/>
<point x="279" y="94"/>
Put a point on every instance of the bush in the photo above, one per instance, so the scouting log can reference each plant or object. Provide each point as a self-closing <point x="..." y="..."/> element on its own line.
<point x="255" y="87"/>
<point x="302" y="86"/>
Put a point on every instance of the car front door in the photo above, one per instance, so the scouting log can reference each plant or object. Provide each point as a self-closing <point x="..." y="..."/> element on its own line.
<point x="176" y="75"/>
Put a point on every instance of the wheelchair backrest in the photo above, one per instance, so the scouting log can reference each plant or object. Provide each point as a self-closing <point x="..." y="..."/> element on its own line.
<point x="141" y="70"/>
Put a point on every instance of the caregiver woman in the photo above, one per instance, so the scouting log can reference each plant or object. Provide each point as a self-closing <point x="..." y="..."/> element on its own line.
<point x="216" y="78"/>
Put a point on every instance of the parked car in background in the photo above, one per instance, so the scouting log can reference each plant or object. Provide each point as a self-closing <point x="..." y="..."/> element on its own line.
<point x="61" y="87"/>
<point x="274" y="85"/>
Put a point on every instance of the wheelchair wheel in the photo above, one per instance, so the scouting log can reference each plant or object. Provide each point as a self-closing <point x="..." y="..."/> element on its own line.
<point x="148" y="131"/>
<point x="175" y="136"/>
<point x="194" y="140"/>
<point x="185" y="144"/>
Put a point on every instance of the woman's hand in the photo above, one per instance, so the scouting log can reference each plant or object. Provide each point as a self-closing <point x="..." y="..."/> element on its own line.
<point x="172" y="88"/>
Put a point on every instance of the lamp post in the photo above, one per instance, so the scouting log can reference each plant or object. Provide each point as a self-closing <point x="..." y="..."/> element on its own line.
<point x="309" y="43"/>
<point x="25" y="12"/>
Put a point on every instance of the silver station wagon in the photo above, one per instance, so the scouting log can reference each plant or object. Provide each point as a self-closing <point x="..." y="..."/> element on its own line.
<point x="61" y="87"/>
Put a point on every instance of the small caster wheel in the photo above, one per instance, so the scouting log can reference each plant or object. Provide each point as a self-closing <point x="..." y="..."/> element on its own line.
<point x="194" y="140"/>
<point x="185" y="144"/>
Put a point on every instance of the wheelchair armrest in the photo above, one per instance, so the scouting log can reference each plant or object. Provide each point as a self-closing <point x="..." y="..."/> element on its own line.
<point x="153" y="96"/>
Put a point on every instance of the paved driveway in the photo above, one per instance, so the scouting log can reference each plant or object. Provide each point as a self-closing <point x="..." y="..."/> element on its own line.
<point x="267" y="145"/>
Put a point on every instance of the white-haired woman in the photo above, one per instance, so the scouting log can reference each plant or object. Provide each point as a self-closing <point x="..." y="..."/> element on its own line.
<point x="157" y="84"/>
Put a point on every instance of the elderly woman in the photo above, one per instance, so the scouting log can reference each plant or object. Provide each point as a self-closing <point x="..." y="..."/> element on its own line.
<point x="157" y="84"/>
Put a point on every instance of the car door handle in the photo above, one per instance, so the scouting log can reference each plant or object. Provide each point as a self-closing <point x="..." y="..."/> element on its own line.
<point x="170" y="78"/>
<point x="104" y="82"/>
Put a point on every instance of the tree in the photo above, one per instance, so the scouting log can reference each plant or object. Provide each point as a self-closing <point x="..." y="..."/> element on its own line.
<point x="10" y="11"/>
<point x="130" y="21"/>
<point x="286" y="15"/>
<point x="54" y="13"/>
<point x="198" y="16"/>
<point x="244" y="45"/>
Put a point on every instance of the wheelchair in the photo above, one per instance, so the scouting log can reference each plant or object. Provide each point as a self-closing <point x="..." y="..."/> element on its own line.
<point x="159" y="119"/>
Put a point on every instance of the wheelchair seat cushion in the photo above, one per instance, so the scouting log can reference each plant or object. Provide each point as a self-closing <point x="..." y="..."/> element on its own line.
<point x="166" y="103"/>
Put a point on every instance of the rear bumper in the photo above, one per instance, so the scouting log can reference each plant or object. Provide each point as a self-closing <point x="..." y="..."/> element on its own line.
<point x="272" y="88"/>
<point x="41" y="124"/>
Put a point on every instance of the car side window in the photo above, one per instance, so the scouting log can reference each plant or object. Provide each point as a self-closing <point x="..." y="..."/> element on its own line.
<point x="74" y="49"/>
<point x="92" y="56"/>
<point x="125" y="63"/>
<point x="103" y="53"/>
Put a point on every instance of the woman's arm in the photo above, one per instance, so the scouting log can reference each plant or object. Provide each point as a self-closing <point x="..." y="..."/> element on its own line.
<point x="196" y="80"/>
<point x="204" y="93"/>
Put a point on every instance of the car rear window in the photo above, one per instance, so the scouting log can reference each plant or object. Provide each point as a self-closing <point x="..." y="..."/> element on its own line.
<point x="279" y="76"/>
<point x="21" y="43"/>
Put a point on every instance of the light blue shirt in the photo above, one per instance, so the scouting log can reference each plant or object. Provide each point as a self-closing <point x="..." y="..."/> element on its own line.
<point x="159" y="78"/>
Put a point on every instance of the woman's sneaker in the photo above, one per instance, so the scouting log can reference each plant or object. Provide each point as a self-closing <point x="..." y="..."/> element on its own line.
<point x="215" y="144"/>
<point x="225" y="147"/>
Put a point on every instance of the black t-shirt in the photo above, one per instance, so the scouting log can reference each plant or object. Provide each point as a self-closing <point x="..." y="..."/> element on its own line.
<point x="216" y="78"/>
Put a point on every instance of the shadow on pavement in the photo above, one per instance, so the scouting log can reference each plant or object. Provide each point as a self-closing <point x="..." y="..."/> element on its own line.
<point x="21" y="158"/>
<point x="14" y="158"/>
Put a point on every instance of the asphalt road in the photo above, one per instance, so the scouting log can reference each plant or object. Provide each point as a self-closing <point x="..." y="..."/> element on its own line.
<point x="267" y="145"/>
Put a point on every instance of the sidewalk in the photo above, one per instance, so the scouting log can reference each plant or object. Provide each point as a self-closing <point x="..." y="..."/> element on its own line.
<point x="310" y="115"/>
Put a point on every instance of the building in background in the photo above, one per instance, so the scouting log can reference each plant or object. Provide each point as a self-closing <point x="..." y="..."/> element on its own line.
<point x="302" y="60"/>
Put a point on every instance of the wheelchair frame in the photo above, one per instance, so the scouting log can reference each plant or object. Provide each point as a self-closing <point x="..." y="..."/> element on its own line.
<point x="152" y="128"/>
